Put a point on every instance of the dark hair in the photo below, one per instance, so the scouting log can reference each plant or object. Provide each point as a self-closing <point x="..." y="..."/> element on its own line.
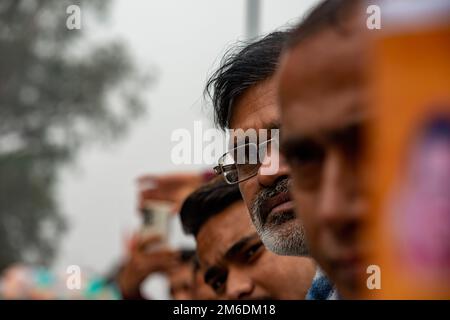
<point x="328" y="13"/>
<point x="187" y="255"/>
<point x="241" y="68"/>
<point x="206" y="202"/>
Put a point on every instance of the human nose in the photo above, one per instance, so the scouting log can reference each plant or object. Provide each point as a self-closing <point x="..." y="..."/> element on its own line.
<point x="239" y="285"/>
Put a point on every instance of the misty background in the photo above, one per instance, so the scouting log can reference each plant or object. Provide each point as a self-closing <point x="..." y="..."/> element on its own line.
<point x="151" y="60"/>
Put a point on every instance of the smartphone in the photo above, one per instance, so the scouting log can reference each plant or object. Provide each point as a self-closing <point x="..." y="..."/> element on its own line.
<point x="155" y="219"/>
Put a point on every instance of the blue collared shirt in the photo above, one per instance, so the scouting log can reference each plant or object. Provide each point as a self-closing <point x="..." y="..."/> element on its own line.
<point x="321" y="288"/>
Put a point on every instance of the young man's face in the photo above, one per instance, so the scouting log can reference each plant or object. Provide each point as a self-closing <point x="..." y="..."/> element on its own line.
<point x="266" y="195"/>
<point x="236" y="264"/>
<point x="322" y="95"/>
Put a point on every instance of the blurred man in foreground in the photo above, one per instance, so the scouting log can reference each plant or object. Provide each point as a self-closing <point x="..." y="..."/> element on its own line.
<point x="323" y="119"/>
<point x="232" y="257"/>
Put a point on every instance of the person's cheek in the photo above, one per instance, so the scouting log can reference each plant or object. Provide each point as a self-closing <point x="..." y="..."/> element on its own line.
<point x="263" y="272"/>
<point x="305" y="204"/>
<point x="298" y="207"/>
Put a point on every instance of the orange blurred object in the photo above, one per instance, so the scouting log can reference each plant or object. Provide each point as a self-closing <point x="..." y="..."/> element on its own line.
<point x="410" y="151"/>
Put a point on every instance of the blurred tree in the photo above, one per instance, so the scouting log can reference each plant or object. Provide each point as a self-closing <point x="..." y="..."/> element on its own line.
<point x="57" y="92"/>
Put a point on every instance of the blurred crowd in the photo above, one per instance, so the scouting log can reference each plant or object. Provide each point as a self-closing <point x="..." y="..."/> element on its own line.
<point x="310" y="228"/>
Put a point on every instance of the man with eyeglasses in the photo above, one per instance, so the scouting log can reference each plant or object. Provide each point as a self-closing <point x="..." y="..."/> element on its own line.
<point x="244" y="97"/>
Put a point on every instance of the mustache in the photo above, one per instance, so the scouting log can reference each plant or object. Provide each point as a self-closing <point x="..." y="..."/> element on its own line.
<point x="259" y="204"/>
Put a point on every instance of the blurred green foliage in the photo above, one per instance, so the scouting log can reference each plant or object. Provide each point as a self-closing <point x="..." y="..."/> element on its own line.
<point x="58" y="91"/>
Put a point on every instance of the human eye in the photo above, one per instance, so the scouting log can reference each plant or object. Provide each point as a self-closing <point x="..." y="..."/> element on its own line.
<point x="217" y="283"/>
<point x="252" y="251"/>
<point x="306" y="159"/>
<point x="304" y="153"/>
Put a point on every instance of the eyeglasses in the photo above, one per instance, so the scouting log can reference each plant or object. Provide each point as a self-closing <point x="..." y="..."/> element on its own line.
<point x="243" y="162"/>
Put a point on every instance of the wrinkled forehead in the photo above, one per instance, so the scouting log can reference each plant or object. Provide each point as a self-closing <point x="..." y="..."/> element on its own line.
<point x="257" y="108"/>
<point x="256" y="114"/>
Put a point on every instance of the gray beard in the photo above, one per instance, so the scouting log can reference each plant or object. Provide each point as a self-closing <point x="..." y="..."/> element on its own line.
<point x="284" y="239"/>
<point x="292" y="243"/>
